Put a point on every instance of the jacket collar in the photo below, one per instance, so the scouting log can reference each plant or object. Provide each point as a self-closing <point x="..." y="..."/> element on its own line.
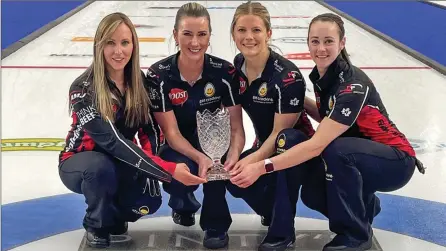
<point x="331" y="75"/>
<point x="206" y="73"/>
<point x="268" y="72"/>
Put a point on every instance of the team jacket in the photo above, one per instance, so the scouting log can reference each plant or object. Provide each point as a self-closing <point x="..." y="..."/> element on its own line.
<point x="169" y="91"/>
<point x="90" y="132"/>
<point x="279" y="89"/>
<point x="346" y="95"/>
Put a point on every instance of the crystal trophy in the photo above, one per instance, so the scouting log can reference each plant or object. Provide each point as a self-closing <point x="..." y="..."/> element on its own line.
<point x="214" y="135"/>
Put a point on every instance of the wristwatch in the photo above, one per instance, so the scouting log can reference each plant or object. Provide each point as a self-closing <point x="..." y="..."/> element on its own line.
<point x="269" y="166"/>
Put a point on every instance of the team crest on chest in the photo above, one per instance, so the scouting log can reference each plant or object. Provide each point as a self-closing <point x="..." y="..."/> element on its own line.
<point x="209" y="90"/>
<point x="263" y="90"/>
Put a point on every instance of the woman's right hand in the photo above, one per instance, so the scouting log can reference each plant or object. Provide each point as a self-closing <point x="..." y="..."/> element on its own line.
<point x="182" y="174"/>
<point x="203" y="166"/>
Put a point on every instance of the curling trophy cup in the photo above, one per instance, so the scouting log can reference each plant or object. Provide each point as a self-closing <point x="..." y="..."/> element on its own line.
<point x="214" y="135"/>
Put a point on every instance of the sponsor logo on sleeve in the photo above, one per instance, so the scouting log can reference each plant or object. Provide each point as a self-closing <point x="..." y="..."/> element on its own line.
<point x="151" y="74"/>
<point x="346" y="112"/>
<point x="76" y="96"/>
<point x="353" y="88"/>
<point x="294" y="102"/>
<point x="153" y="94"/>
<point x="291" y="78"/>
<point x="86" y="115"/>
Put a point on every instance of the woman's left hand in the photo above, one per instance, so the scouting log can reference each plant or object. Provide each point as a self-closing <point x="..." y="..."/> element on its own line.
<point x="246" y="175"/>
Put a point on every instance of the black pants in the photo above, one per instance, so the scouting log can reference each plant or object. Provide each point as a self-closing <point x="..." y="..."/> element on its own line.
<point x="215" y="212"/>
<point x="276" y="194"/>
<point x="356" y="169"/>
<point x="114" y="191"/>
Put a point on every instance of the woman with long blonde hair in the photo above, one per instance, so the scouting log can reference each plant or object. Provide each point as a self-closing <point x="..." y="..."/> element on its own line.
<point x="109" y="107"/>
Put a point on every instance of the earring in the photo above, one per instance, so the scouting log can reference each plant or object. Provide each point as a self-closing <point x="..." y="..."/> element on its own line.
<point x="176" y="43"/>
<point x="209" y="44"/>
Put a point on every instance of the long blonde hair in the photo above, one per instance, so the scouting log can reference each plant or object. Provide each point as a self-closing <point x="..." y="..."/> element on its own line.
<point x="137" y="100"/>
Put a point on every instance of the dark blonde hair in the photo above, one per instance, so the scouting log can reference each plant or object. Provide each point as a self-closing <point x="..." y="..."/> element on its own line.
<point x="137" y="100"/>
<point x="256" y="9"/>
<point x="329" y="17"/>
<point x="191" y="10"/>
<point x="252" y="8"/>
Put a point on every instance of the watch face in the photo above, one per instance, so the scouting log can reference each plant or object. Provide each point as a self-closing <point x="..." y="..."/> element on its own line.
<point x="269" y="167"/>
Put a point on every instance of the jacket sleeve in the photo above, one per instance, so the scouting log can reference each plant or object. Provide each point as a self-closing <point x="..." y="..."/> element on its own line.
<point x="158" y="91"/>
<point x="229" y="78"/>
<point x="290" y="89"/>
<point x="105" y="135"/>
<point x="149" y="139"/>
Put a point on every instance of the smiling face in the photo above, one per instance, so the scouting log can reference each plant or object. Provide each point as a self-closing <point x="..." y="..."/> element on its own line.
<point x="192" y="37"/>
<point x="118" y="49"/>
<point x="324" y="43"/>
<point x="251" y="35"/>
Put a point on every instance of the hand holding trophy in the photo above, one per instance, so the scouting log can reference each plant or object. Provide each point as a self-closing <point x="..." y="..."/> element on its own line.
<point x="214" y="135"/>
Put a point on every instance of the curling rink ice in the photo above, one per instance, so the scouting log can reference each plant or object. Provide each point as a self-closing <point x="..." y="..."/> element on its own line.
<point x="39" y="213"/>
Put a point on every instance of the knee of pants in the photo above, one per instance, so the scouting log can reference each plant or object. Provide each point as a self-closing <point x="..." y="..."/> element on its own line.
<point x="288" y="138"/>
<point x="101" y="176"/>
<point x="334" y="160"/>
<point x="315" y="199"/>
<point x="234" y="190"/>
<point x="175" y="186"/>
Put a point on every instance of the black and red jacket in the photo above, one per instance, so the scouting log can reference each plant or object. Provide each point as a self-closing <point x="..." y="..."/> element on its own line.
<point x="90" y="132"/>
<point x="346" y="95"/>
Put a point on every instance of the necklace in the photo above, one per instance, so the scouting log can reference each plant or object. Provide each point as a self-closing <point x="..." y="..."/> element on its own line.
<point x="190" y="82"/>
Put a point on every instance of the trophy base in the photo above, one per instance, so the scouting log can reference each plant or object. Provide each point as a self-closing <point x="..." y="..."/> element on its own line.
<point x="218" y="173"/>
